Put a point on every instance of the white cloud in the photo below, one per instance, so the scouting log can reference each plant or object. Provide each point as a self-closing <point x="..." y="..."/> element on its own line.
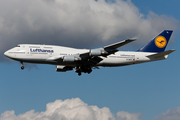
<point x="172" y="114"/>
<point x="70" y="109"/>
<point x="128" y="116"/>
<point x="77" y="23"/>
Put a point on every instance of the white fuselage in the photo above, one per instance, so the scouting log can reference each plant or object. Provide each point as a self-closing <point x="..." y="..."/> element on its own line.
<point x="44" y="53"/>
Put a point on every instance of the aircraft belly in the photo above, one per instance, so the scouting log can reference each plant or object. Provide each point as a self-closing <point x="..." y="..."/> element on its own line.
<point x="116" y="62"/>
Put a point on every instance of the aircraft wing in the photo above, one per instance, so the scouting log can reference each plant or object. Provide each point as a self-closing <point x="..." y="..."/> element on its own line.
<point x="94" y="53"/>
<point x="110" y="49"/>
<point x="121" y="43"/>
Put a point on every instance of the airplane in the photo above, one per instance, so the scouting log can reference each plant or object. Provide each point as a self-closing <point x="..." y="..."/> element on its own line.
<point x="83" y="60"/>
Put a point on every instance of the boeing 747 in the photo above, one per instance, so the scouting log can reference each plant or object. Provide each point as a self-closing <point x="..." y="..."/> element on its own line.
<point x="83" y="60"/>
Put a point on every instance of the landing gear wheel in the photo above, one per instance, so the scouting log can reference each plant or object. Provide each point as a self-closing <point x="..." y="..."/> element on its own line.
<point x="89" y="72"/>
<point x="22" y="67"/>
<point x="79" y="73"/>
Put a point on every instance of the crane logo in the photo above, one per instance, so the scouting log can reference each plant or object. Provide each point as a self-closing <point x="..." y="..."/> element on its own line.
<point x="160" y="41"/>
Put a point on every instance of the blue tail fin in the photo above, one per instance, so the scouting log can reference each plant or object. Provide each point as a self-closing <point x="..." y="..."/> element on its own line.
<point x="159" y="43"/>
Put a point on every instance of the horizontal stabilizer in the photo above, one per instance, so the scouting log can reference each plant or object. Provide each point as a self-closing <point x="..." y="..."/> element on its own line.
<point x="161" y="54"/>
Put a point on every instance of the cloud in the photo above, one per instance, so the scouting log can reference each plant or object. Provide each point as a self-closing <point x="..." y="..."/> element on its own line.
<point x="122" y="115"/>
<point x="78" y="23"/>
<point x="70" y="109"/>
<point x="172" y="114"/>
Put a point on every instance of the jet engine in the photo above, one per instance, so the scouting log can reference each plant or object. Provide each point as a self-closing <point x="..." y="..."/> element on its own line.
<point x="97" y="52"/>
<point x="60" y="68"/>
<point x="71" y="58"/>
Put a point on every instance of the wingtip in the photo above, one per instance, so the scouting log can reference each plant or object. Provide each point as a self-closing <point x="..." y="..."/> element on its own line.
<point x="135" y="38"/>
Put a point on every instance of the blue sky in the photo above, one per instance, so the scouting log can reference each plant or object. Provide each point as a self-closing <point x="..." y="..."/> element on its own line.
<point x="150" y="88"/>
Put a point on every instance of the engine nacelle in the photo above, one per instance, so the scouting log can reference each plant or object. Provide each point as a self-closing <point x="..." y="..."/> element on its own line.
<point x="97" y="52"/>
<point x="60" y="68"/>
<point x="69" y="58"/>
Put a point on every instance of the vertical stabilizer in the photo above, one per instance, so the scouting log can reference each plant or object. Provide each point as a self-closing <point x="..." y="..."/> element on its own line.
<point x="159" y="43"/>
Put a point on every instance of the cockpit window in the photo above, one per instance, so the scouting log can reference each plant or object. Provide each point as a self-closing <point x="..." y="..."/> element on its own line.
<point x="18" y="45"/>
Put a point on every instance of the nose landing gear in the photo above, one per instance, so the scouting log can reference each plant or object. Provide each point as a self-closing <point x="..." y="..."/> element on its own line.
<point x="22" y="66"/>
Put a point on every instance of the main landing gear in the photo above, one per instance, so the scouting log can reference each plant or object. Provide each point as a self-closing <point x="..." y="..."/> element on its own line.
<point x="85" y="69"/>
<point x="79" y="73"/>
<point x="22" y="66"/>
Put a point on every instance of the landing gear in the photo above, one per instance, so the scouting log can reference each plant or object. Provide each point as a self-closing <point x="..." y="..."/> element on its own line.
<point x="78" y="70"/>
<point x="89" y="71"/>
<point x="22" y="66"/>
<point x="79" y="73"/>
<point x="85" y="69"/>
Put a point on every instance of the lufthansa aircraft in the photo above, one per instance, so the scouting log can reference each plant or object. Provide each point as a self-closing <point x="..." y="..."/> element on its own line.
<point x="83" y="60"/>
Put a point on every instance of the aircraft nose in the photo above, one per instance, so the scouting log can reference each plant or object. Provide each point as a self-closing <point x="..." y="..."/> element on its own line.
<point x="6" y="53"/>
